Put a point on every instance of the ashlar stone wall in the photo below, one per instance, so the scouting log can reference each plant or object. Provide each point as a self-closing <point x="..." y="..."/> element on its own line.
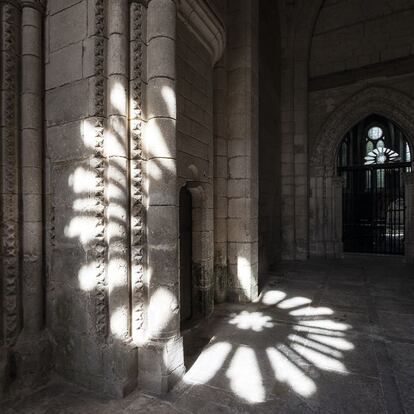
<point x="85" y="159"/>
<point x="370" y="46"/>
<point x="195" y="156"/>
<point x="351" y="33"/>
<point x="269" y="136"/>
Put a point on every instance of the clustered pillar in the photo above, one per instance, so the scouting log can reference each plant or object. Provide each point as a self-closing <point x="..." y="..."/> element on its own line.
<point x="33" y="345"/>
<point x="409" y="225"/>
<point x="161" y="358"/>
<point x="24" y="355"/>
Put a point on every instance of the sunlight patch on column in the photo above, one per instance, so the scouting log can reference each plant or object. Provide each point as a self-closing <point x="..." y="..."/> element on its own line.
<point x="118" y="97"/>
<point x="162" y="306"/>
<point x="244" y="275"/>
<point x="87" y="277"/>
<point x="119" y="322"/>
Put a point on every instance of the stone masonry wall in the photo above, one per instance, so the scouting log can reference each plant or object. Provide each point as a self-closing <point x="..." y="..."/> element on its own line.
<point x="269" y="136"/>
<point x="195" y="155"/>
<point x="348" y="36"/>
<point x="324" y="102"/>
<point x="354" y="33"/>
<point x="85" y="347"/>
<point x="69" y="60"/>
<point x="194" y="101"/>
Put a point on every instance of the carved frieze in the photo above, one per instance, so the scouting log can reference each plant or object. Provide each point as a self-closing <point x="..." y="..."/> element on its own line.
<point x="10" y="179"/>
<point x="136" y="168"/>
<point x="99" y="249"/>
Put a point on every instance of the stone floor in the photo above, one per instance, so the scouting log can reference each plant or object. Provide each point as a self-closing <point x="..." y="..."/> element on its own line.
<point x="324" y="337"/>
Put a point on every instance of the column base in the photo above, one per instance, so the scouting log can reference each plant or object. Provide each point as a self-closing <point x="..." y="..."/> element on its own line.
<point x="4" y="371"/>
<point x="160" y="365"/>
<point x="32" y="359"/>
<point x="409" y="253"/>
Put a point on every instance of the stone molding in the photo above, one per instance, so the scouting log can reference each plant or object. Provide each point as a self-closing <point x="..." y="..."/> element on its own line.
<point x="36" y="4"/>
<point x="10" y="226"/>
<point x="99" y="167"/>
<point x="325" y="186"/>
<point x="387" y="102"/>
<point x="136" y="169"/>
<point x="204" y="23"/>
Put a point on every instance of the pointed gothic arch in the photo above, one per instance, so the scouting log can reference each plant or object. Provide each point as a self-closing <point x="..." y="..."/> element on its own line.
<point x="325" y="198"/>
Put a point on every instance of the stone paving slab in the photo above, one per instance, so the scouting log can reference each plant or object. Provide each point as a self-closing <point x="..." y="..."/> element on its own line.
<point x="331" y="345"/>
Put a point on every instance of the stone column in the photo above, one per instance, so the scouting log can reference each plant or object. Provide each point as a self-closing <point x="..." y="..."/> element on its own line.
<point x="137" y="86"/>
<point x="31" y="158"/>
<point x="161" y="358"/>
<point x="116" y="150"/>
<point x="242" y="223"/>
<point x="316" y="201"/>
<point x="220" y="181"/>
<point x="121" y="362"/>
<point x="325" y="207"/>
<point x="337" y="208"/>
<point x="33" y="349"/>
<point x="409" y="217"/>
<point x="10" y="297"/>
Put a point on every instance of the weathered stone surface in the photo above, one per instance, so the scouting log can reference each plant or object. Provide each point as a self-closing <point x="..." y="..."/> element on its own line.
<point x="283" y="352"/>
<point x="68" y="26"/>
<point x="108" y="110"/>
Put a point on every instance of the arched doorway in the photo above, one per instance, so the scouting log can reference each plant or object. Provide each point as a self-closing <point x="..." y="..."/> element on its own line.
<point x="373" y="157"/>
<point x="186" y="255"/>
<point x="326" y="187"/>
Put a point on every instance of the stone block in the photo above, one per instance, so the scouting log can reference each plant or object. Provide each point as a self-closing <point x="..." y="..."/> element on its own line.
<point x="161" y="365"/>
<point x="161" y="19"/>
<point x="162" y="181"/>
<point x="239" y="167"/>
<point x="31" y="79"/>
<point x="116" y="137"/>
<point x="31" y="150"/>
<point x="68" y="26"/>
<point x="160" y="138"/>
<point x="220" y="230"/>
<point x="161" y="98"/>
<point x="67" y="103"/>
<point x="161" y="55"/>
<point x="71" y="141"/>
<point x="56" y="6"/>
<point x="162" y="224"/>
<point x="32" y="182"/>
<point x="30" y="111"/>
<point x="33" y="207"/>
<point x="65" y="66"/>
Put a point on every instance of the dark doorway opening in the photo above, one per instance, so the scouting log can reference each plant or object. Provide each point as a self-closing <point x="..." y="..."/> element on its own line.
<point x="186" y="255"/>
<point x="373" y="158"/>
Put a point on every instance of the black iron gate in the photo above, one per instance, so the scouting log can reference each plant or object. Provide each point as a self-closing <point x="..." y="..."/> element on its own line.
<point x="374" y="209"/>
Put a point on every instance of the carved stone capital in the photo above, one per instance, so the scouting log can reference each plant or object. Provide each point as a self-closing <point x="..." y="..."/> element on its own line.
<point x="143" y="2"/>
<point x="36" y="4"/>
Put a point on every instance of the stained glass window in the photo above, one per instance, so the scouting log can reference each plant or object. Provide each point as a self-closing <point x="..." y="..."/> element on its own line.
<point x="375" y="133"/>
